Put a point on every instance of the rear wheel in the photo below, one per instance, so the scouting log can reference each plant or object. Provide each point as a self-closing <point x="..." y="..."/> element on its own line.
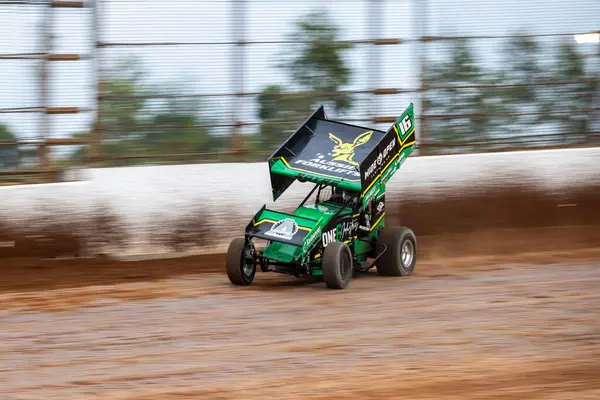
<point x="337" y="265"/>
<point x="401" y="254"/>
<point x="240" y="262"/>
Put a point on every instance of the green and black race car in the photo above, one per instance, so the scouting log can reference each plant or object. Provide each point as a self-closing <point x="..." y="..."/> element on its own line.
<point x="342" y="231"/>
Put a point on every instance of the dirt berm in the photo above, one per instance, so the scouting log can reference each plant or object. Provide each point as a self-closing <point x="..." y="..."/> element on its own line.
<point x="481" y="220"/>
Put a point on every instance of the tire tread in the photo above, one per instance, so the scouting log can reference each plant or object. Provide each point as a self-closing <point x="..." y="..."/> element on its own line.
<point x="234" y="262"/>
<point x="331" y="265"/>
<point x="390" y="263"/>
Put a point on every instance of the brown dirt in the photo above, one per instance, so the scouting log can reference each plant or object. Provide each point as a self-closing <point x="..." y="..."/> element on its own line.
<point x="503" y="305"/>
<point x="482" y="207"/>
<point x="456" y="329"/>
<point x="532" y="245"/>
<point x="24" y="274"/>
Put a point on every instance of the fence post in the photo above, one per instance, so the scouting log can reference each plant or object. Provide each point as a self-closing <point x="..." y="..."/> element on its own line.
<point x="44" y="127"/>
<point x="595" y="125"/>
<point x="421" y="134"/>
<point x="238" y="32"/>
<point x="374" y="61"/>
<point x="96" y="145"/>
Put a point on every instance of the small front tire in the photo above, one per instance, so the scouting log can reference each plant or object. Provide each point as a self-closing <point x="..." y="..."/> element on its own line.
<point x="337" y="265"/>
<point x="401" y="252"/>
<point x="240" y="262"/>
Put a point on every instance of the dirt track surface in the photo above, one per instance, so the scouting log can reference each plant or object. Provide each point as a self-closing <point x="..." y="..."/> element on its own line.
<point x="461" y="329"/>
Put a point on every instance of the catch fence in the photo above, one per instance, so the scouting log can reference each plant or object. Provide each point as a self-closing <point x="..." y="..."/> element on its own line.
<point x="122" y="82"/>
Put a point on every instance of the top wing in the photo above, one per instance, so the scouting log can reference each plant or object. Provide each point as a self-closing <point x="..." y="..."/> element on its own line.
<point x="348" y="156"/>
<point x="322" y="151"/>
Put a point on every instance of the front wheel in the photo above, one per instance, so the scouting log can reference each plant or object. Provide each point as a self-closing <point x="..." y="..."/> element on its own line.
<point x="401" y="253"/>
<point x="240" y="262"/>
<point x="337" y="265"/>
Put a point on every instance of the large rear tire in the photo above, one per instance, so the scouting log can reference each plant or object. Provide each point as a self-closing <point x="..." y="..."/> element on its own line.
<point x="401" y="254"/>
<point x="240" y="262"/>
<point x="337" y="265"/>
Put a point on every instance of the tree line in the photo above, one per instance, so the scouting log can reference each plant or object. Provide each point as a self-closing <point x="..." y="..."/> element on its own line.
<point x="510" y="100"/>
<point x="534" y="91"/>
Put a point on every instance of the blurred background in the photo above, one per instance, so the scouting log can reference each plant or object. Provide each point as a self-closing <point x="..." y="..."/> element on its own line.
<point x="116" y="284"/>
<point x="110" y="83"/>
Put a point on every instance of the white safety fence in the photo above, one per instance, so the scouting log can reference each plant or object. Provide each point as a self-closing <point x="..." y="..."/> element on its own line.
<point x="231" y="193"/>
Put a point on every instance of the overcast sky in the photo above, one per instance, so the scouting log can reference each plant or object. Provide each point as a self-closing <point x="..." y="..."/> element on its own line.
<point x="205" y="69"/>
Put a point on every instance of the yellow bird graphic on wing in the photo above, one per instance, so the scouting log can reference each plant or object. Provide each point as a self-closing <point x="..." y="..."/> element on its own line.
<point x="345" y="151"/>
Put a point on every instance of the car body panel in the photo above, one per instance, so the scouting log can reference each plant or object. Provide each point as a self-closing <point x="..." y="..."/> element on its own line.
<point x="353" y="160"/>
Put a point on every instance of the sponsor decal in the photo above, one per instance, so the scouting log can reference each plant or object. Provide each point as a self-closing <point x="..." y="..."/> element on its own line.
<point x="382" y="157"/>
<point x="345" y="151"/>
<point x="402" y="157"/>
<point x="405" y="125"/>
<point x="330" y="166"/>
<point x="387" y="175"/>
<point x="346" y="228"/>
<point x="341" y="231"/>
<point x="340" y="160"/>
<point x="284" y="229"/>
<point x="329" y="236"/>
<point x="312" y="237"/>
<point x="370" y="194"/>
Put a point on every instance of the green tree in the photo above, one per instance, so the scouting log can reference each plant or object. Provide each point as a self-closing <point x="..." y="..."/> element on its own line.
<point x="462" y="110"/>
<point x="140" y="119"/>
<point x="181" y="128"/>
<point x="6" y="135"/>
<point x="316" y="68"/>
<point x="120" y="111"/>
<point x="318" y="64"/>
<point x="526" y="73"/>
<point x="277" y="106"/>
<point x="570" y="67"/>
<point x="524" y="68"/>
<point x="9" y="155"/>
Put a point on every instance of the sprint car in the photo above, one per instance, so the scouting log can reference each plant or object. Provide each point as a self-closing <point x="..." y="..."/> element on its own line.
<point x="342" y="230"/>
